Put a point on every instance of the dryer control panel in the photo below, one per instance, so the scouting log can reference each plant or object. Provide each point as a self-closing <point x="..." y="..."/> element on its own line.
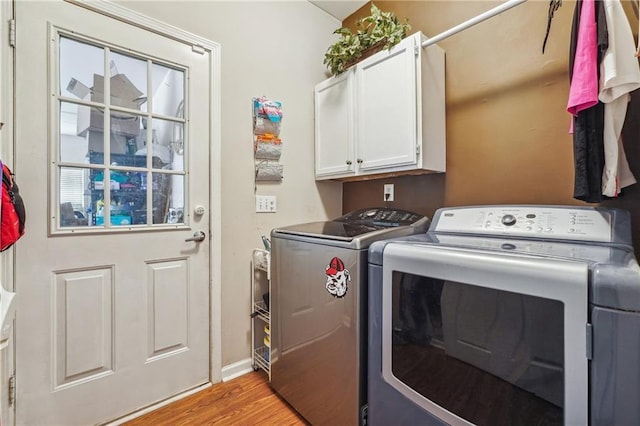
<point x="381" y="216"/>
<point x="544" y="222"/>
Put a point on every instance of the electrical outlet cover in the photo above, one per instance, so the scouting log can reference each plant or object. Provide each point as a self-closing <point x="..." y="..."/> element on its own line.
<point x="388" y="194"/>
<point x="265" y="203"/>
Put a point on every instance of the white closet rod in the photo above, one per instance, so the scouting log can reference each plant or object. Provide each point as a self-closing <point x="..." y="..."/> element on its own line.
<point x="471" y="22"/>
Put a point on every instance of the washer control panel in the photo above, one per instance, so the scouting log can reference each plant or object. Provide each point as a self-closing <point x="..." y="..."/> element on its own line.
<point x="548" y="222"/>
<point x="381" y="216"/>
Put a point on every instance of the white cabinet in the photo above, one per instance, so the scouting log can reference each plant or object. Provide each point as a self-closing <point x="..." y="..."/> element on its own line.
<point x="260" y="313"/>
<point x="386" y="109"/>
<point x="335" y="125"/>
<point x="385" y="115"/>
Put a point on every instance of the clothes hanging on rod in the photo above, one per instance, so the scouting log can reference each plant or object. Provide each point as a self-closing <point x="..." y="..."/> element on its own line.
<point x="583" y="92"/>
<point x="619" y="76"/>
<point x="588" y="40"/>
<point x="601" y="167"/>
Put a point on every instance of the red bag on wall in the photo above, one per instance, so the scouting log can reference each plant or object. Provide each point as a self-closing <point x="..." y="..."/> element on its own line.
<point x="12" y="213"/>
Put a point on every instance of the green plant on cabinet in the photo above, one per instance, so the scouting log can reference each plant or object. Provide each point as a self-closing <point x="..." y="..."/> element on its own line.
<point x="380" y="30"/>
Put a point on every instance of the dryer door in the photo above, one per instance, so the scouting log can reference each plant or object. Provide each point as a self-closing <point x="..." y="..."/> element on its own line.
<point x="485" y="337"/>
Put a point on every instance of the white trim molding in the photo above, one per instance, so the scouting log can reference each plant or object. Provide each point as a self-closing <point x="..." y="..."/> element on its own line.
<point x="237" y="369"/>
<point x="7" y="144"/>
<point x="121" y="13"/>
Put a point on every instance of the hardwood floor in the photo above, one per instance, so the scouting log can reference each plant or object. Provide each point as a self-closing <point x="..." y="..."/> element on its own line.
<point x="246" y="400"/>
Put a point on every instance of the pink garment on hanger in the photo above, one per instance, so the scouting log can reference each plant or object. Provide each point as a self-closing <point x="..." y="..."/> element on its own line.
<point x="583" y="92"/>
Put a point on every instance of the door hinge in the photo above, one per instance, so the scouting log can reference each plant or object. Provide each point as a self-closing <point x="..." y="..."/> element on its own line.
<point x="417" y="149"/>
<point x="12" y="390"/>
<point x="12" y="33"/>
<point x="589" y="348"/>
<point x="196" y="48"/>
<point x="416" y="50"/>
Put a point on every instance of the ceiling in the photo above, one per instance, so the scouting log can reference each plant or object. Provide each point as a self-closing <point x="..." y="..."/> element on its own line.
<point x="339" y="9"/>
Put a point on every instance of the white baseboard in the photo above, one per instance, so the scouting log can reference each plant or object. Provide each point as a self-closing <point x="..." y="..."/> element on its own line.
<point x="236" y="369"/>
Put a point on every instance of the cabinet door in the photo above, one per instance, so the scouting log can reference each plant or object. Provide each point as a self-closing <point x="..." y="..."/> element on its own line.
<point x="386" y="87"/>
<point x="335" y="127"/>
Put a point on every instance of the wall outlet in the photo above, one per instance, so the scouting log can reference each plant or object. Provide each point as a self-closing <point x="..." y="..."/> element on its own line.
<point x="388" y="192"/>
<point x="265" y="203"/>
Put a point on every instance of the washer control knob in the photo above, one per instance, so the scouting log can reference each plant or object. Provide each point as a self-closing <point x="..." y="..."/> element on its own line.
<point x="508" y="220"/>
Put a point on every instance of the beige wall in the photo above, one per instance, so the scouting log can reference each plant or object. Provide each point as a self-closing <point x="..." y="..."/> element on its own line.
<point x="273" y="49"/>
<point x="507" y="125"/>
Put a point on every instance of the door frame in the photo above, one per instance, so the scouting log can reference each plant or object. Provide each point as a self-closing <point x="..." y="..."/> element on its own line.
<point x="7" y="118"/>
<point x="7" y="154"/>
<point x="199" y="44"/>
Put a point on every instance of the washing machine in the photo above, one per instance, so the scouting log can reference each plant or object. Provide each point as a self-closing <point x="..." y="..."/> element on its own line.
<point x="318" y="312"/>
<point x="504" y="315"/>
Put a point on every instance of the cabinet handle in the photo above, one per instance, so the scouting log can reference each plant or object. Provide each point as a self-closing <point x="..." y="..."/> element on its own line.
<point x="359" y="160"/>
<point x="348" y="162"/>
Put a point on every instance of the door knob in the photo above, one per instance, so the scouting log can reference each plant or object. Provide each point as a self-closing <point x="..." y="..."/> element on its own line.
<point x="197" y="236"/>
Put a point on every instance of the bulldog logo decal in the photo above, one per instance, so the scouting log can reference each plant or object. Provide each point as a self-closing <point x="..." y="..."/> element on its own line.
<point x="337" y="278"/>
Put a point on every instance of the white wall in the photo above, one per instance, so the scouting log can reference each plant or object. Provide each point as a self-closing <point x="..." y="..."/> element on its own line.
<point x="271" y="48"/>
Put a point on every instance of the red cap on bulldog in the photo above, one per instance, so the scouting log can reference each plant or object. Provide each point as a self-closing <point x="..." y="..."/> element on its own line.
<point x="335" y="266"/>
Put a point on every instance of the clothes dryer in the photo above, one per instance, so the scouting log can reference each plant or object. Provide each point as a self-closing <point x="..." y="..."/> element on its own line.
<point x="504" y="315"/>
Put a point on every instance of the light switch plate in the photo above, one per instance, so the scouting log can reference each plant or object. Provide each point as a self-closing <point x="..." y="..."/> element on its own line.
<point x="265" y="203"/>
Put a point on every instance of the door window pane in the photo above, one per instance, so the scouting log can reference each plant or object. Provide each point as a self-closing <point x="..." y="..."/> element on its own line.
<point x="128" y="194"/>
<point x="78" y="138"/>
<point x="74" y="197"/>
<point x="74" y="143"/>
<point x="489" y="356"/>
<point x="177" y="145"/>
<point x="79" y="62"/>
<point x="128" y="81"/>
<point x="138" y="207"/>
<point x="124" y="124"/>
<point x="176" y="202"/>
<point x="168" y="198"/>
<point x="124" y="201"/>
<point x="125" y="139"/>
<point x="163" y="146"/>
<point x="168" y="95"/>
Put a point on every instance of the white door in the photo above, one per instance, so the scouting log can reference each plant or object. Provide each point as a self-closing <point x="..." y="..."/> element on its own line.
<point x="387" y="129"/>
<point x="113" y="310"/>
<point x="335" y="126"/>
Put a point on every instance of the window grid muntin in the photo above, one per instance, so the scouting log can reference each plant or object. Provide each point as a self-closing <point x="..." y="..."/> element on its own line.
<point x="106" y="167"/>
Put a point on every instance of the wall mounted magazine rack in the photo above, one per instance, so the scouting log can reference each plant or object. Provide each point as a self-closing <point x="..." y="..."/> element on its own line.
<point x="267" y="145"/>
